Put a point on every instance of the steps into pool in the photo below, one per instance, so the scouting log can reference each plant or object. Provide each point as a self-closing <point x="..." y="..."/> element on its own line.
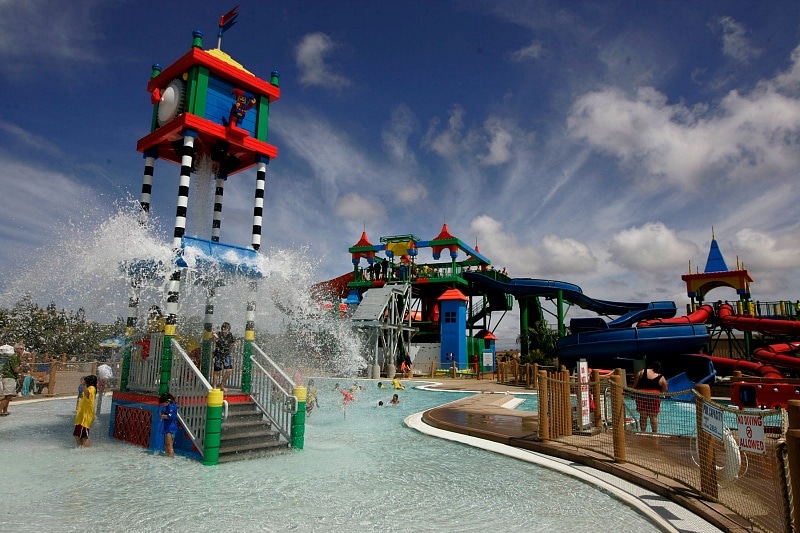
<point x="246" y="434"/>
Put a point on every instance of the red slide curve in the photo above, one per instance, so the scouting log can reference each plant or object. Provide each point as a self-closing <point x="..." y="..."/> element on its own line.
<point x="762" y="325"/>
<point x="700" y="316"/>
<point x="750" y="367"/>
<point x="779" y="355"/>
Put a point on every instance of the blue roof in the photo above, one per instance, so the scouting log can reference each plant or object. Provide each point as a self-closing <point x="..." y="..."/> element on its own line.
<point x="715" y="261"/>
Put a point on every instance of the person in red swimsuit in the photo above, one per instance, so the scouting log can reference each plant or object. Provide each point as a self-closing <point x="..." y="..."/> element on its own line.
<point x="649" y="405"/>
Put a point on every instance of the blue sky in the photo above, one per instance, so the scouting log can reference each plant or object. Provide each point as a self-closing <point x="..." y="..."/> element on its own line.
<point x="590" y="142"/>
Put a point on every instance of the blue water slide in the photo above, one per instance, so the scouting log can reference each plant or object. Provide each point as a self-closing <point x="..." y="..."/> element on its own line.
<point x="569" y="292"/>
<point x="633" y="343"/>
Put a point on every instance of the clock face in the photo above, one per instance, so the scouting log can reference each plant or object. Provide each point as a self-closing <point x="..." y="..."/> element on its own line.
<point x="171" y="103"/>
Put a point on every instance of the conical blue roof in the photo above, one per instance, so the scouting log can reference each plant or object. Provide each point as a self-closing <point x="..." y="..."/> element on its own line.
<point x="715" y="261"/>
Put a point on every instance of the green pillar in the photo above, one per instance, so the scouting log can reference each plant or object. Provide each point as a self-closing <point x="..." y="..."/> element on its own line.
<point x="562" y="330"/>
<point x="524" y="348"/>
<point x="126" y="363"/>
<point x="299" y="419"/>
<point x="249" y="338"/>
<point x="166" y="359"/>
<point x="213" y="428"/>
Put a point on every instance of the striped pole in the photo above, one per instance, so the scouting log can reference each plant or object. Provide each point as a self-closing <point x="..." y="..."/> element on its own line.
<point x="183" y="188"/>
<point x="258" y="206"/>
<point x="170" y="328"/>
<point x="147" y="184"/>
<point x="208" y="331"/>
<point x="216" y="224"/>
<point x="130" y="331"/>
<point x="249" y="337"/>
<point x="174" y="284"/>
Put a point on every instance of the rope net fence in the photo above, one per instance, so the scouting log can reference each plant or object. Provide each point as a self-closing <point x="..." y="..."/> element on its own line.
<point x="737" y="458"/>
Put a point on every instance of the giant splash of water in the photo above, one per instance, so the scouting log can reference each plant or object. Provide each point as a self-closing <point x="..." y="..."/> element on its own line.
<point x="89" y="268"/>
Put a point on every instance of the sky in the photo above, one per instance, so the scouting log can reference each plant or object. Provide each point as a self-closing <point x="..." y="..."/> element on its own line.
<point x="596" y="143"/>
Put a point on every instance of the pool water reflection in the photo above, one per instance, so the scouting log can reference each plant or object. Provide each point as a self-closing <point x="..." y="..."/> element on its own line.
<point x="364" y="471"/>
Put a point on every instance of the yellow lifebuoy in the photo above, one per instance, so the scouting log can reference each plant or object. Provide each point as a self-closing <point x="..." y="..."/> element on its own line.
<point x="397" y="385"/>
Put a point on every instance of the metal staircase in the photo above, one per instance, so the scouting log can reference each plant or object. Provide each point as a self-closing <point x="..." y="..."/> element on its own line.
<point x="384" y="317"/>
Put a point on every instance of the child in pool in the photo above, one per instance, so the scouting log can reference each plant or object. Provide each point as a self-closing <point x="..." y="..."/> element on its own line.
<point x="85" y="412"/>
<point x="169" y="417"/>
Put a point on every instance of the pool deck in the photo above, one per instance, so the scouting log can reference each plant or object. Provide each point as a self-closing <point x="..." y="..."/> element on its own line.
<point x="484" y="417"/>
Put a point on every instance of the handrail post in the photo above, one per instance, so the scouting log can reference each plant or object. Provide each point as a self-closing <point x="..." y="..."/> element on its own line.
<point x="598" y="422"/>
<point x="213" y="428"/>
<point x="299" y="418"/>
<point x="705" y="446"/>
<point x="618" y="419"/>
<point x="51" y="378"/>
<point x="793" y="451"/>
<point x="544" y="421"/>
<point x="566" y="406"/>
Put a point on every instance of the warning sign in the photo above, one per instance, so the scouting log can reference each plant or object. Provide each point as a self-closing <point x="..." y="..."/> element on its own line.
<point x="751" y="434"/>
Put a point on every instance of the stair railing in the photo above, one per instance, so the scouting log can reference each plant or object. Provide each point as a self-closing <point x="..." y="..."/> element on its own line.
<point x="190" y="389"/>
<point x="272" y="390"/>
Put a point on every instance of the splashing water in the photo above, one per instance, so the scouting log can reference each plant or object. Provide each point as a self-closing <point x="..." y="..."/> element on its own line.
<point x="88" y="268"/>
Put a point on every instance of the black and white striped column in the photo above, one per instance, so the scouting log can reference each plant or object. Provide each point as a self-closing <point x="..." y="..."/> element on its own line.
<point x="147" y="184"/>
<point x="258" y="207"/>
<point x="133" y="311"/>
<point x="183" y="189"/>
<point x="216" y="224"/>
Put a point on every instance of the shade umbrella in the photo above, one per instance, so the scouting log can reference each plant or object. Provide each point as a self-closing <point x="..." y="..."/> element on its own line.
<point x="114" y="342"/>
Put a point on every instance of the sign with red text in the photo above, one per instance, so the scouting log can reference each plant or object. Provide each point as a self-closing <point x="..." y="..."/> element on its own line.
<point x="751" y="434"/>
<point x="583" y="371"/>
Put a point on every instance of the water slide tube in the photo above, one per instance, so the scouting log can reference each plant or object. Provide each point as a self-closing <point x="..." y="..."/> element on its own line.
<point x="550" y="289"/>
<point x="780" y="355"/>
<point x="700" y="316"/>
<point x="762" y="325"/>
<point x="749" y="367"/>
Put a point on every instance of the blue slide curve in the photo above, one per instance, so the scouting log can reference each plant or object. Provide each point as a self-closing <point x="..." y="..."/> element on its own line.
<point x="594" y="339"/>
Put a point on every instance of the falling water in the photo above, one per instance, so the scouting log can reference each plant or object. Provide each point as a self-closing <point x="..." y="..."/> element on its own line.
<point x="88" y="268"/>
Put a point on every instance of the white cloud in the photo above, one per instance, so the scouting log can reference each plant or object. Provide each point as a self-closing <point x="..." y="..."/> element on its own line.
<point x="500" y="140"/>
<point x="651" y="247"/>
<point x="358" y="208"/>
<point x="396" y="133"/>
<point x="735" y="43"/>
<point x="747" y="136"/>
<point x="527" y="53"/>
<point x="765" y="252"/>
<point x="310" y="56"/>
<point x="32" y="37"/>
<point x="553" y="256"/>
<point x="446" y="143"/>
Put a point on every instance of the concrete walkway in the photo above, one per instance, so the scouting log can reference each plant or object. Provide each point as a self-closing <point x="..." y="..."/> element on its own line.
<point x="489" y="421"/>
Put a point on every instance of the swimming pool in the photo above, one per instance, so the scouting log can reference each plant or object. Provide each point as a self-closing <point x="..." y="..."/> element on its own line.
<point x="364" y="471"/>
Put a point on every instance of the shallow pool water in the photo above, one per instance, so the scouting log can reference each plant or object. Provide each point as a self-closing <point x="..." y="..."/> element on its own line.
<point x="361" y="469"/>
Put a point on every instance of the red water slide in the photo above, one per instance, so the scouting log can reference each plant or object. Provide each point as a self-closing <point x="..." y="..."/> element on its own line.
<point x="700" y="316"/>
<point x="762" y="325"/>
<point x="749" y="367"/>
<point x="780" y="355"/>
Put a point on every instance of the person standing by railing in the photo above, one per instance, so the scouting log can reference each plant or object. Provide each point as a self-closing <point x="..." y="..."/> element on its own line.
<point x="650" y="380"/>
<point x="224" y="342"/>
